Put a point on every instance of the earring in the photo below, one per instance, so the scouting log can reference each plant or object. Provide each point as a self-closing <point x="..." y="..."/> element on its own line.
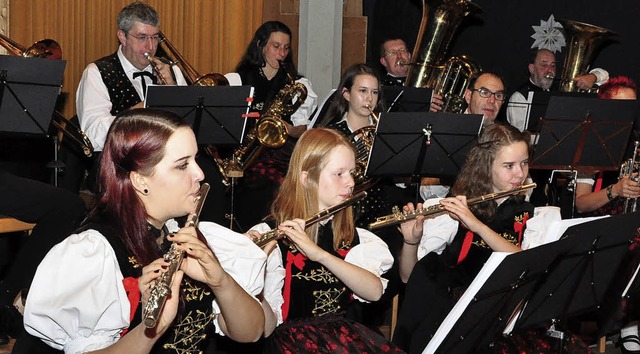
<point x="145" y="191"/>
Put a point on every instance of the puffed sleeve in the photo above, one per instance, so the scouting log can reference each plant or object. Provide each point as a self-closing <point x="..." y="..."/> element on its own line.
<point x="437" y="232"/>
<point x="371" y="254"/>
<point x="274" y="277"/>
<point x="238" y="256"/>
<point x="302" y="116"/>
<point x="77" y="302"/>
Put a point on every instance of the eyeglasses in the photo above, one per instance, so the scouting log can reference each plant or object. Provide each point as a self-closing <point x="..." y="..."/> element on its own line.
<point x="396" y="52"/>
<point x="486" y="93"/>
<point x="155" y="38"/>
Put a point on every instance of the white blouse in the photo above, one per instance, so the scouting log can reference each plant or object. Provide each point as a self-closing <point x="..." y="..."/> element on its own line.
<point x="77" y="301"/>
<point x="371" y="254"/>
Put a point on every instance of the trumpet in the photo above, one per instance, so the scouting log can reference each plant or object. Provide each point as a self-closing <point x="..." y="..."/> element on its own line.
<point x="155" y="67"/>
<point x="549" y="76"/>
<point x="161" y="289"/>
<point x="629" y="169"/>
<point x="399" y="217"/>
<point x="277" y="234"/>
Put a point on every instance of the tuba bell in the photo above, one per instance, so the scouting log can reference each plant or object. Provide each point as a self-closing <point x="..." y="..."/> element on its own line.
<point x="429" y="67"/>
<point x="582" y="41"/>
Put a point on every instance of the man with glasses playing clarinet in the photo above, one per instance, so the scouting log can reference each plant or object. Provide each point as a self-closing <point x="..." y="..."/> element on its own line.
<point x="118" y="82"/>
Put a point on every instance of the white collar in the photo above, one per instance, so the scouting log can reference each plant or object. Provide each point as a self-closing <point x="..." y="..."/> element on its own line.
<point x="129" y="69"/>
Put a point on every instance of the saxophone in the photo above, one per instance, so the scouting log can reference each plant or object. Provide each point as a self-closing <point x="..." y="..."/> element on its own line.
<point x="161" y="289"/>
<point x="270" y="130"/>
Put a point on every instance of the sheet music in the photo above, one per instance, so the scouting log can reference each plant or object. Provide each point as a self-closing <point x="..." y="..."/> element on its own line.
<point x="626" y="289"/>
<point x="492" y="263"/>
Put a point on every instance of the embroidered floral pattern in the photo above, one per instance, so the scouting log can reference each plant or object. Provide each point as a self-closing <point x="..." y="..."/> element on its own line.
<point x="327" y="301"/>
<point x="321" y="275"/>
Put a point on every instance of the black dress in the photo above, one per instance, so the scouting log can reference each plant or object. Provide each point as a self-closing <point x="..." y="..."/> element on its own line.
<point x="438" y="281"/>
<point x="260" y="182"/>
<point x="314" y="318"/>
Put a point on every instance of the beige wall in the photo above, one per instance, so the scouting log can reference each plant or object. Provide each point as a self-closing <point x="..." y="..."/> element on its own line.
<point x="86" y="31"/>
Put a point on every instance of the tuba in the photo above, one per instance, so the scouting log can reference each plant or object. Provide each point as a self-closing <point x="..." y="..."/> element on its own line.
<point x="582" y="41"/>
<point x="269" y="131"/>
<point x="429" y="66"/>
<point x="190" y="74"/>
<point x="50" y="49"/>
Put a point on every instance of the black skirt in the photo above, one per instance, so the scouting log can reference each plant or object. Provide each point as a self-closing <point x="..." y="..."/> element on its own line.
<point x="327" y="334"/>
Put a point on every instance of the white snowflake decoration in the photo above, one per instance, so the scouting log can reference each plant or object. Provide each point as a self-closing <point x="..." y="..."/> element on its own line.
<point x="548" y="35"/>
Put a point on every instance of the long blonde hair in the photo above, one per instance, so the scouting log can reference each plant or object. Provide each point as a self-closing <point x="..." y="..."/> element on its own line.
<point x="295" y="200"/>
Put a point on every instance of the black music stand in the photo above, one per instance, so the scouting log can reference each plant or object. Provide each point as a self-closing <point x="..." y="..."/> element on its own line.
<point x="535" y="107"/>
<point x="407" y="99"/>
<point x="217" y="114"/>
<point x="541" y="286"/>
<point x="491" y="302"/>
<point x="589" y="258"/>
<point x="583" y="133"/>
<point x="422" y="144"/>
<point x="29" y="89"/>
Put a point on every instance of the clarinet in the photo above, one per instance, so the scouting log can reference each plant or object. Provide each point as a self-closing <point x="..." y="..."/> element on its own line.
<point x="161" y="289"/>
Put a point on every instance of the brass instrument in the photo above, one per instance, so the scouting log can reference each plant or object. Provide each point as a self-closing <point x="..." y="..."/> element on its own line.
<point x="399" y="217"/>
<point x="159" y="75"/>
<point x="269" y="131"/>
<point x="429" y="68"/>
<point x="50" y="49"/>
<point x="582" y="42"/>
<point x="362" y="141"/>
<point x="44" y="48"/>
<point x="190" y="74"/>
<point x="277" y="234"/>
<point x="79" y="137"/>
<point x="161" y="289"/>
<point x="628" y="169"/>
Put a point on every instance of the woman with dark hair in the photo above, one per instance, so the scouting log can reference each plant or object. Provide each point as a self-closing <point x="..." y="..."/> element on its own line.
<point x="268" y="66"/>
<point x="441" y="256"/>
<point x="359" y="93"/>
<point x="313" y="275"/>
<point x="98" y="280"/>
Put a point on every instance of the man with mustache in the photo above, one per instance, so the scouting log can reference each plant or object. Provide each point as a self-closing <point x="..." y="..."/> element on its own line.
<point x="542" y="71"/>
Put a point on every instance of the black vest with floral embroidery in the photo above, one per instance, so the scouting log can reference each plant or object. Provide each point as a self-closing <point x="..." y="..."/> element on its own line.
<point x="314" y="290"/>
<point x="192" y="326"/>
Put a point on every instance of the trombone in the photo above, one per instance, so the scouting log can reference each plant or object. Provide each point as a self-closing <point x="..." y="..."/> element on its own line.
<point x="190" y="74"/>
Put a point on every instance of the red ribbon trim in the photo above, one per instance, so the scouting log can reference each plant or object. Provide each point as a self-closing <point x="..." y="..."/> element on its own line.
<point x="466" y="245"/>
<point x="298" y="260"/>
<point x="133" y="294"/>
<point x="519" y="228"/>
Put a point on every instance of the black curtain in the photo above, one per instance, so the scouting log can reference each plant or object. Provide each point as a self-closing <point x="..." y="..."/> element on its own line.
<point x="499" y="37"/>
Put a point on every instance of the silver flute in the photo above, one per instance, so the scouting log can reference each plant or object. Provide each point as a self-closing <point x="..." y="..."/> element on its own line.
<point x="434" y="210"/>
<point x="161" y="288"/>
<point x="277" y="234"/>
